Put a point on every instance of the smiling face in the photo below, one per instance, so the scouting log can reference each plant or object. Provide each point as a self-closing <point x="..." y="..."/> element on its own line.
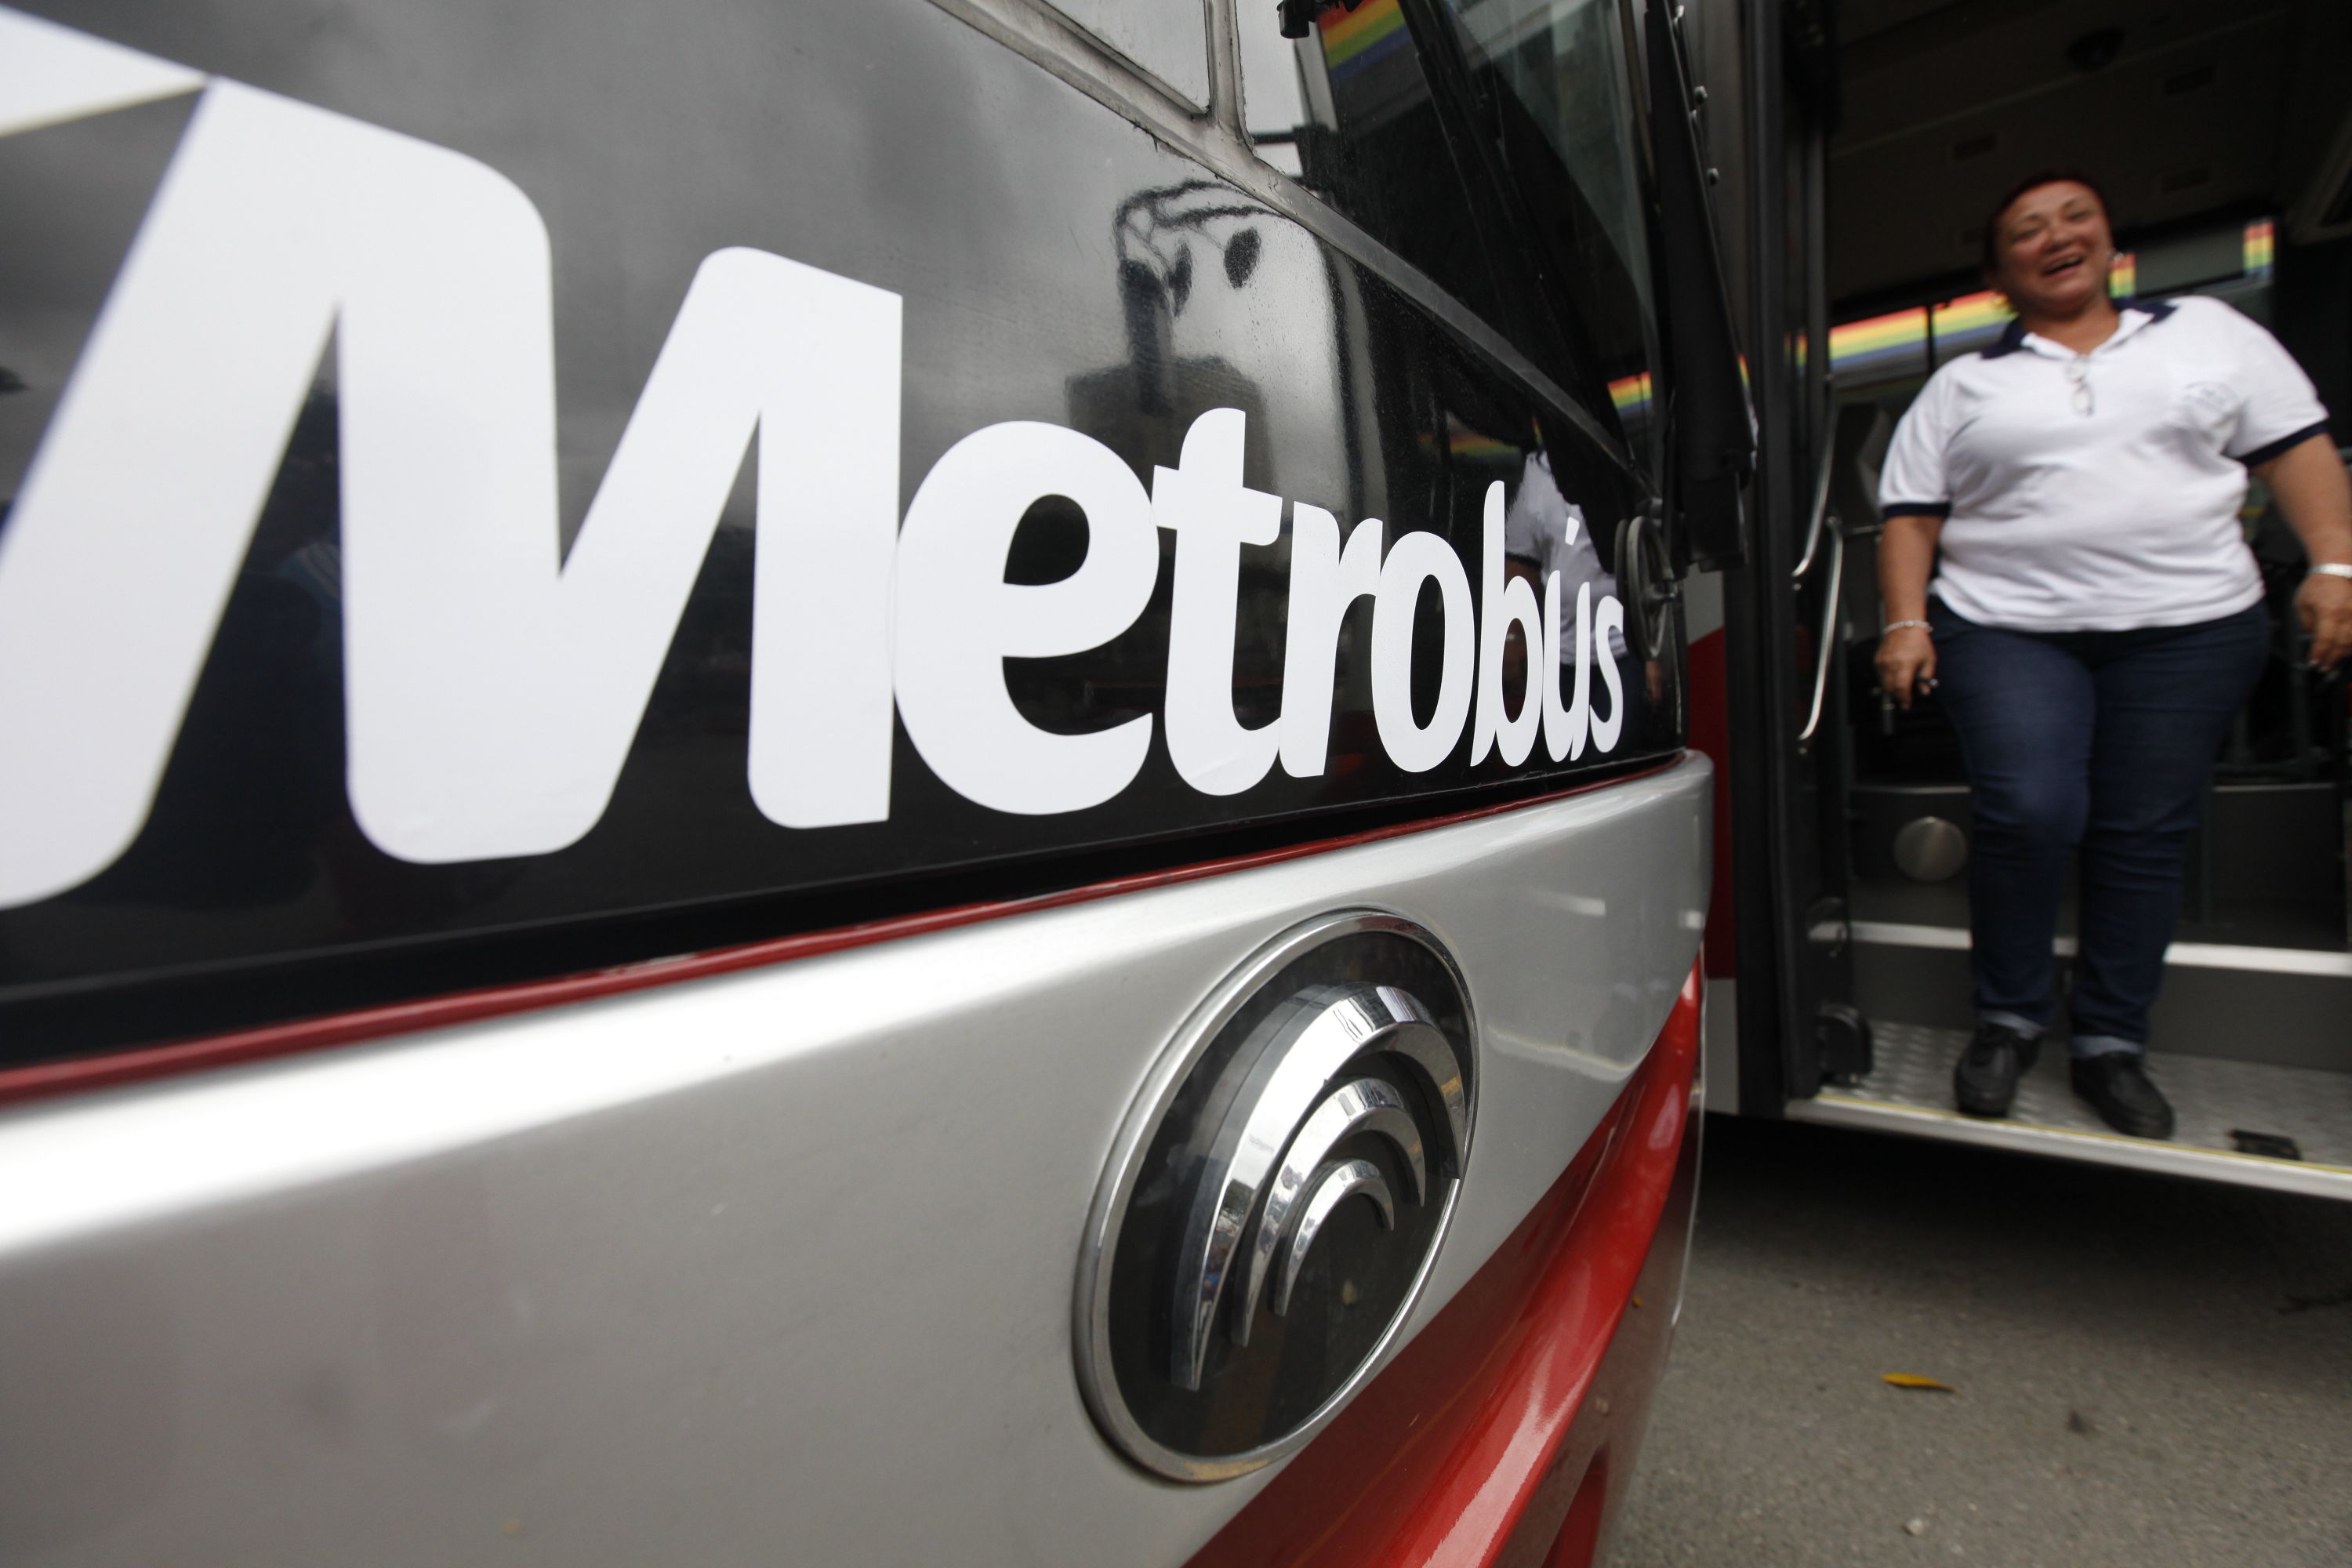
<point x="2052" y="248"/>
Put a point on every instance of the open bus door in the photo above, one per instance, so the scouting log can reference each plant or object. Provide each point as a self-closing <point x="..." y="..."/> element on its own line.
<point x="1788" y="1025"/>
<point x="1850" y="821"/>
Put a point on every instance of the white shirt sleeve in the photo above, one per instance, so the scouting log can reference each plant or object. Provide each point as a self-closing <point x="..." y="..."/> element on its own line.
<point x="1915" y="480"/>
<point x="2279" y="408"/>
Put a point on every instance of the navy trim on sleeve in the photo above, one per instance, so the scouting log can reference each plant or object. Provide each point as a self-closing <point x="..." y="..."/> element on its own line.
<point x="2280" y="447"/>
<point x="2012" y="338"/>
<point x="1916" y="509"/>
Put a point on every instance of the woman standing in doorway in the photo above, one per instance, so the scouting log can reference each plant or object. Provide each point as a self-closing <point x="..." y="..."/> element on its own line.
<point x="2096" y="619"/>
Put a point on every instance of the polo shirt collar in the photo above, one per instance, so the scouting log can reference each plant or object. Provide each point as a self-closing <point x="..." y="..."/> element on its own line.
<point x="2013" y="336"/>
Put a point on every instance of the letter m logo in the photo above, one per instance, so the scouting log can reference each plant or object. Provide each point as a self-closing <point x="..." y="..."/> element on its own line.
<point x="494" y="683"/>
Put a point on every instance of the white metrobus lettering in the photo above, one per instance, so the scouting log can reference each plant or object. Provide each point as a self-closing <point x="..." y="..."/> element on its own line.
<point x="1505" y="600"/>
<point x="1325" y="582"/>
<point x="1415" y="559"/>
<point x="1204" y="502"/>
<point x="494" y="684"/>
<point x="959" y="619"/>
<point x="493" y="687"/>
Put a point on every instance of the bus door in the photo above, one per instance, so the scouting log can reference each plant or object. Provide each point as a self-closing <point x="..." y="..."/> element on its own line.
<point x="1871" y="172"/>
<point x="1767" y="698"/>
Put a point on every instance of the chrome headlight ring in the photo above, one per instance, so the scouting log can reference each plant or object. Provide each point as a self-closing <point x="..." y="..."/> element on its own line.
<point x="1231" y="1298"/>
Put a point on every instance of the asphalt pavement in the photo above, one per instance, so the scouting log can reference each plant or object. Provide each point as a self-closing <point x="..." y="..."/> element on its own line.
<point x="2145" y="1372"/>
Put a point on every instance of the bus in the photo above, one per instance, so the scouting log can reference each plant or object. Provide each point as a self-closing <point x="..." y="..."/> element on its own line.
<point x="853" y="782"/>
<point x="995" y="780"/>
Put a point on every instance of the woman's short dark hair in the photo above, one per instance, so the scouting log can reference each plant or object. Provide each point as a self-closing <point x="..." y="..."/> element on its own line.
<point x="1991" y="252"/>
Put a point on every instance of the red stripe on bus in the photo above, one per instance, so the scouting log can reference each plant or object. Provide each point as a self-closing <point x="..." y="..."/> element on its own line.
<point x="1448" y="1455"/>
<point x="44" y="1079"/>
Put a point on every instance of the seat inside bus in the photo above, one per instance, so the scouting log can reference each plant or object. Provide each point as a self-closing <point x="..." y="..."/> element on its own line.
<point x="2223" y="137"/>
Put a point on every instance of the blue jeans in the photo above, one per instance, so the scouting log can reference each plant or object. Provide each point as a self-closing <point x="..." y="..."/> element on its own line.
<point x="2097" y="742"/>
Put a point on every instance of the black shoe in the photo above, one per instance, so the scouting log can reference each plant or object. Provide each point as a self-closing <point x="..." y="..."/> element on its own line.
<point x="2116" y="1085"/>
<point x="1984" y="1080"/>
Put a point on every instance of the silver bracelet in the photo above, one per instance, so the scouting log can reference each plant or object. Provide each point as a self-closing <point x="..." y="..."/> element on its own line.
<point x="2332" y="569"/>
<point x="1898" y="625"/>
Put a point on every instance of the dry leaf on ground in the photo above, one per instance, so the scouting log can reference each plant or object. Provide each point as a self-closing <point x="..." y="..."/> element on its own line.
<point x="1913" y="1380"/>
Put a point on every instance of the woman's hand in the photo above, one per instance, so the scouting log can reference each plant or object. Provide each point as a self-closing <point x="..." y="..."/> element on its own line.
<point x="1906" y="558"/>
<point x="2325" y="605"/>
<point x="2308" y="482"/>
<point x="1907" y="662"/>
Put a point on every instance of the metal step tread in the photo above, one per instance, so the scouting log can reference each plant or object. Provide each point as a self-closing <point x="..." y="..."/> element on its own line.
<point x="1910" y="1091"/>
<point x="2264" y="958"/>
<point x="1890" y="913"/>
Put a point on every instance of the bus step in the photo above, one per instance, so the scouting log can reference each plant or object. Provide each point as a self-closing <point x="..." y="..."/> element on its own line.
<point x="2265" y="1005"/>
<point x="1909" y="1091"/>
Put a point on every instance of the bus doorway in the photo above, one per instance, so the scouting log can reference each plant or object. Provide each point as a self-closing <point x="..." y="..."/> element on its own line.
<point x="2226" y="159"/>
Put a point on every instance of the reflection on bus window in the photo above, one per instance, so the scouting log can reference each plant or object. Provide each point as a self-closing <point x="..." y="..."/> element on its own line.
<point x="1347" y="112"/>
<point x="1558" y="100"/>
<point x="1547" y="537"/>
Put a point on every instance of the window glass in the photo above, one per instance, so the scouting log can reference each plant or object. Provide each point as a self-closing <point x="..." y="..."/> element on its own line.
<point x="1556" y="83"/>
<point x="1347" y="112"/>
<point x="1169" y="39"/>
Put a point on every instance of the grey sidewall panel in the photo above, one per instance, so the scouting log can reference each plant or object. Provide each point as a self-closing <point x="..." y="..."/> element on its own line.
<point x="773" y="1266"/>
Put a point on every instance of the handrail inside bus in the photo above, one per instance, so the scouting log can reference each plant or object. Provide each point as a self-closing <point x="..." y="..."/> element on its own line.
<point x="1821" y="502"/>
<point x="1824" y="645"/>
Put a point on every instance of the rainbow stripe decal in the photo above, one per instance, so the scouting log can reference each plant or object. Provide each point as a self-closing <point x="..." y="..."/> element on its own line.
<point x="2123" y="277"/>
<point x="1466" y="445"/>
<point x="1880" y="342"/>
<point x="1631" y="394"/>
<point x="1969" y="323"/>
<point x="1473" y="447"/>
<point x="1355" y="40"/>
<point x="2260" y="243"/>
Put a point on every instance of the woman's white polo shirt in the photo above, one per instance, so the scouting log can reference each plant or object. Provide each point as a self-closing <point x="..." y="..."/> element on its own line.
<point x="2100" y="491"/>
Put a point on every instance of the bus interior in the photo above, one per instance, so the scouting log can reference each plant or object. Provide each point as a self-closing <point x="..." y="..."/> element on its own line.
<point x="2220" y="134"/>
